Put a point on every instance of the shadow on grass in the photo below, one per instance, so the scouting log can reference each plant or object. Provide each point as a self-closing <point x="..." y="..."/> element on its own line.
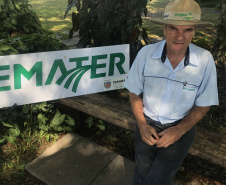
<point x="195" y="170"/>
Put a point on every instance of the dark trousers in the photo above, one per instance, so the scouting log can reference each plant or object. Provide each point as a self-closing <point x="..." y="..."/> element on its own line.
<point x="158" y="166"/>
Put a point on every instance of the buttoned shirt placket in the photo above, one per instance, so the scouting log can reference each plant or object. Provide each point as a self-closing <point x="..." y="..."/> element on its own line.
<point x="165" y="105"/>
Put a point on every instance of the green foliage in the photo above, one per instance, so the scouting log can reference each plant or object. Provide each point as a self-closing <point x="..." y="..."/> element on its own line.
<point x="31" y="43"/>
<point x="203" y="42"/>
<point x="40" y="118"/>
<point x="217" y="114"/>
<point x="11" y="132"/>
<point x="9" y="127"/>
<point x="209" y="3"/>
<point x="16" y="16"/>
<point x="96" y="124"/>
<point x="108" y="22"/>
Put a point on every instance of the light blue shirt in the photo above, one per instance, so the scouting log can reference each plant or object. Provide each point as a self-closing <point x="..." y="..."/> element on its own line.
<point x="169" y="94"/>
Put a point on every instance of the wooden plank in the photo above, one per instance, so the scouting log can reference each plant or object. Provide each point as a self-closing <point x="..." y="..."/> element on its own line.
<point x="208" y="145"/>
<point x="105" y="108"/>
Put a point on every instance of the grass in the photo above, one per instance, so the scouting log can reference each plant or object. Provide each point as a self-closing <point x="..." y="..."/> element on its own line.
<point x="14" y="157"/>
<point x="51" y="14"/>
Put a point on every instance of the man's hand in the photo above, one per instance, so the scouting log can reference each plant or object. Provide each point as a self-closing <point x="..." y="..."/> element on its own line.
<point x="168" y="137"/>
<point x="172" y="134"/>
<point x="148" y="134"/>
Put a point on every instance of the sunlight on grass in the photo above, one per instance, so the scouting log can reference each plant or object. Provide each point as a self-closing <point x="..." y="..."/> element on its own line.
<point x="203" y="33"/>
<point x="56" y="19"/>
<point x="157" y="5"/>
<point x="153" y="36"/>
<point x="153" y="30"/>
<point x="58" y="28"/>
<point x="51" y="14"/>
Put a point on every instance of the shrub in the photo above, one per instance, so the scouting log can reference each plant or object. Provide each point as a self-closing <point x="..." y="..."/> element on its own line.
<point x="16" y="16"/>
<point x="30" y="43"/>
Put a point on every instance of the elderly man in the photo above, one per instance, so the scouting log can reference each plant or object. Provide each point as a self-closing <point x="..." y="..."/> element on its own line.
<point x="172" y="85"/>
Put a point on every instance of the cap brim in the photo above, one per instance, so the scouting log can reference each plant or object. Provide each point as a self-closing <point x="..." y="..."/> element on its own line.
<point x="176" y="22"/>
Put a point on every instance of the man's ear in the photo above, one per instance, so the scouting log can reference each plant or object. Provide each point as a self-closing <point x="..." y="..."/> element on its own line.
<point x="164" y="29"/>
<point x="194" y="34"/>
<point x="195" y="30"/>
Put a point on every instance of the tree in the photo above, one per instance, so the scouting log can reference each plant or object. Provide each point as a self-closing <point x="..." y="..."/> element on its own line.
<point x="209" y="3"/>
<point x="219" y="46"/>
<point x="108" y="22"/>
<point x="21" y="31"/>
<point x="16" y="16"/>
<point x="218" y="114"/>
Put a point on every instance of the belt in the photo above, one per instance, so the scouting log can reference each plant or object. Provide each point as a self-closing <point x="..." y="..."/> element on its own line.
<point x="158" y="126"/>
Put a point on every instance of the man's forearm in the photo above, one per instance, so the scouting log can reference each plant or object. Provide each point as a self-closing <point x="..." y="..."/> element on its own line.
<point x="137" y="108"/>
<point x="146" y="131"/>
<point x="172" y="134"/>
<point x="195" y="115"/>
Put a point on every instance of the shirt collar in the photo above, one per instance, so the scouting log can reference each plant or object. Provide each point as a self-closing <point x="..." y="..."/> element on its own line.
<point x="193" y="55"/>
<point x="190" y="57"/>
<point x="186" y="59"/>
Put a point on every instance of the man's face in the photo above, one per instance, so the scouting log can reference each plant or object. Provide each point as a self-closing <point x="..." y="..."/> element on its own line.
<point x="178" y="38"/>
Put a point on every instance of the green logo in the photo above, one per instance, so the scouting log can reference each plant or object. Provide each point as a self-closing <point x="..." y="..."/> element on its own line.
<point x="186" y="16"/>
<point x="185" y="88"/>
<point x="180" y="14"/>
<point x="69" y="75"/>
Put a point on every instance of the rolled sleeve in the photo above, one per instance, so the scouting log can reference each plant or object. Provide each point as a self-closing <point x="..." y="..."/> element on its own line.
<point x="135" y="79"/>
<point x="208" y="93"/>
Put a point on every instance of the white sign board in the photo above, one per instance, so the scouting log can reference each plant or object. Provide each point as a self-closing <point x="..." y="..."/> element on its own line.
<point x="38" y="77"/>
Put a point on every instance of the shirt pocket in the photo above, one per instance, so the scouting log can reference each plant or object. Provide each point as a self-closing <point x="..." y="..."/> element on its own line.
<point x="187" y="94"/>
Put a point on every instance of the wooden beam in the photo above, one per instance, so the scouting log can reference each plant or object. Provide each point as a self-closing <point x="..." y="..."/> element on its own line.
<point x="105" y="108"/>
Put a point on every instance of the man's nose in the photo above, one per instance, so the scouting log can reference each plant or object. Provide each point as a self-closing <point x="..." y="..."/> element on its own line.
<point x="180" y="35"/>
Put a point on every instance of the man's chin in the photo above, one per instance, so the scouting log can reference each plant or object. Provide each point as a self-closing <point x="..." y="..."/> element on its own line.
<point x="179" y="49"/>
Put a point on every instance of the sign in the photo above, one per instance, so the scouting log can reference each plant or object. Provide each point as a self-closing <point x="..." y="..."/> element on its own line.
<point x="38" y="77"/>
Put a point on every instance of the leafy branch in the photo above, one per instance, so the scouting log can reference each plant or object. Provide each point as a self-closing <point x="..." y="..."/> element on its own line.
<point x="108" y="22"/>
<point x="39" y="118"/>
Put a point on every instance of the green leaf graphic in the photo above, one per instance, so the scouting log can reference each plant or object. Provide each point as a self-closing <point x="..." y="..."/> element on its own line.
<point x="67" y="84"/>
<point x="75" y="86"/>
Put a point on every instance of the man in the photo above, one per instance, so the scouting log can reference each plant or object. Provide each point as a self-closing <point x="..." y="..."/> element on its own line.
<point x="172" y="85"/>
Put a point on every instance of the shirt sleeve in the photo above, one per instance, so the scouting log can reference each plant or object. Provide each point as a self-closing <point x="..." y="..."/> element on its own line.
<point x="135" y="79"/>
<point x="208" y="93"/>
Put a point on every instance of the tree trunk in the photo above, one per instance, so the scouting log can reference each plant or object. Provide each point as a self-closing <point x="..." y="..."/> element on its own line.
<point x="217" y="115"/>
<point x="219" y="46"/>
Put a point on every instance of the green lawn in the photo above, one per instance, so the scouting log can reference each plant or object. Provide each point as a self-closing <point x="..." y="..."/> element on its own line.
<point x="51" y="14"/>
